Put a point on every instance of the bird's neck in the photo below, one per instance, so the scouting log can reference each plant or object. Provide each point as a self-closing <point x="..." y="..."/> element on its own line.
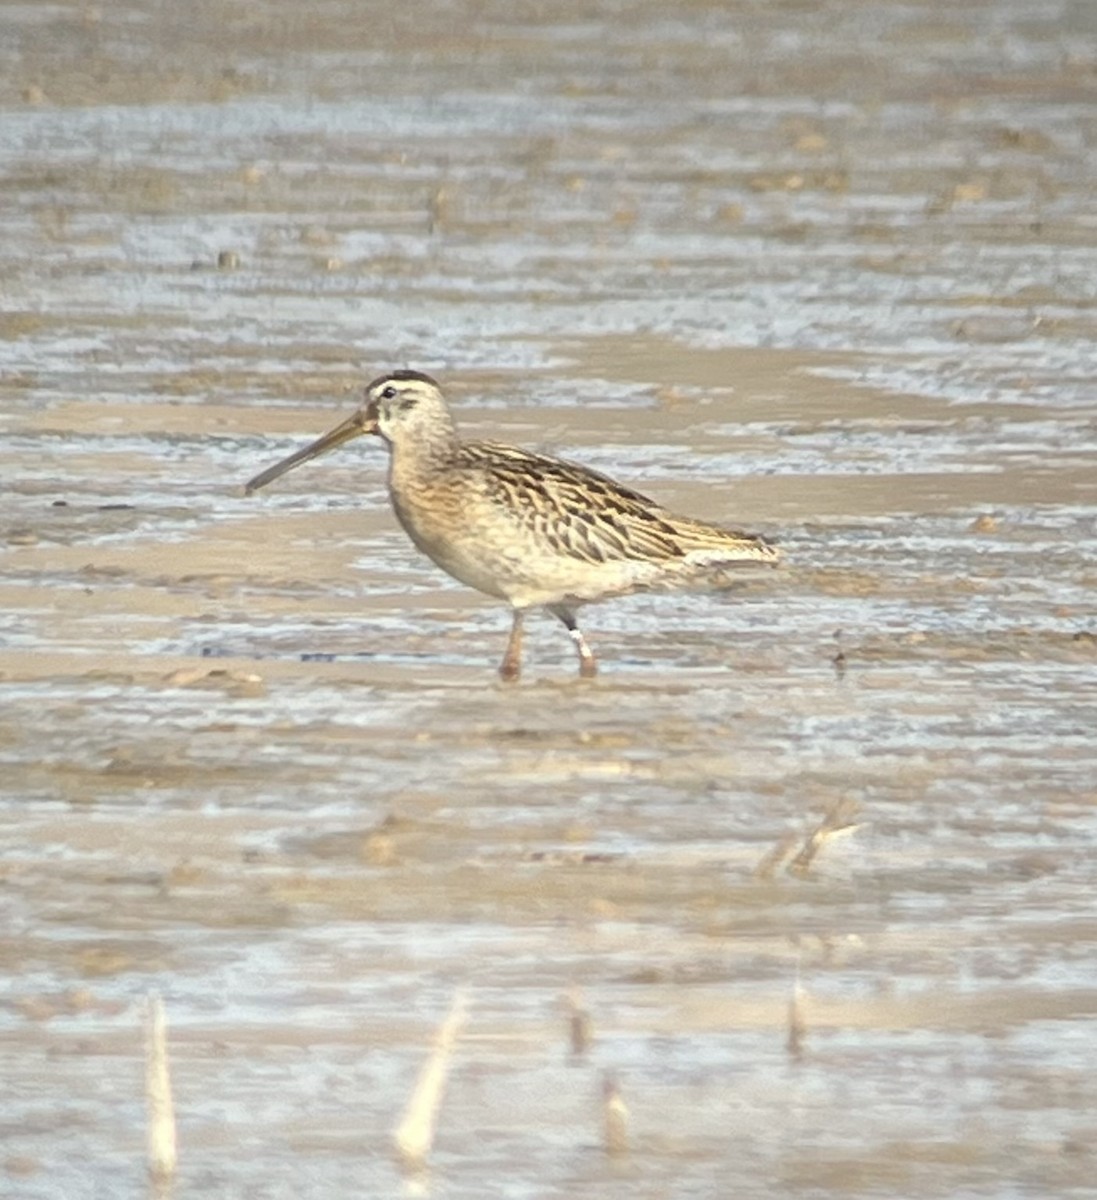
<point x="426" y="452"/>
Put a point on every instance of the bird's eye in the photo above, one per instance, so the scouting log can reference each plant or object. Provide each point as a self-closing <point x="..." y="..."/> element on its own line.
<point x="388" y="393"/>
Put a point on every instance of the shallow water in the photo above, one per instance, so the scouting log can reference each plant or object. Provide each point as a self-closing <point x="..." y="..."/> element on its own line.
<point x="821" y="271"/>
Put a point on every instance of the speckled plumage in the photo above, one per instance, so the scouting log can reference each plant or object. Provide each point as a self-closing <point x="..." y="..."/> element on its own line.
<point x="531" y="530"/>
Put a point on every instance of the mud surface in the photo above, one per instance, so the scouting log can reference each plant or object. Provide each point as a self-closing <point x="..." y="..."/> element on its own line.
<point x="820" y="270"/>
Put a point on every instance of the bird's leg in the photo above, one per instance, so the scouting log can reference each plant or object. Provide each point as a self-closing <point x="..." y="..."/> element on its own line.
<point x="588" y="664"/>
<point x="512" y="661"/>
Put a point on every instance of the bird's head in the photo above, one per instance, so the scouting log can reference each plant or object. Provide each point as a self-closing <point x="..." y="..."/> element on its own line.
<point x="405" y="408"/>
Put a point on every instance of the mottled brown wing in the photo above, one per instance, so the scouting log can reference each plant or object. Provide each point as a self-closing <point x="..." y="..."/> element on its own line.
<point x="585" y="514"/>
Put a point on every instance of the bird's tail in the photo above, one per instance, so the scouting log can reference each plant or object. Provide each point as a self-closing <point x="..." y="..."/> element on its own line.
<point x="710" y="547"/>
<point x="710" y="557"/>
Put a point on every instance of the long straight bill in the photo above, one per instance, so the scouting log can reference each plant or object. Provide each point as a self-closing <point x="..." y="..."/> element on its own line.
<point x="354" y="426"/>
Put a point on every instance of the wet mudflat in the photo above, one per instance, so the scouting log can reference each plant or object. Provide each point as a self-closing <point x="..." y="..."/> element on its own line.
<point x="825" y="272"/>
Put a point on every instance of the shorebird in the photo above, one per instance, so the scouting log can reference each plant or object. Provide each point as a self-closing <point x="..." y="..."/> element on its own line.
<point x="535" y="531"/>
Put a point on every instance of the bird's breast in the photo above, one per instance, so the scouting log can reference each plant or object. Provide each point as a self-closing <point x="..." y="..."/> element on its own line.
<point x="445" y="519"/>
